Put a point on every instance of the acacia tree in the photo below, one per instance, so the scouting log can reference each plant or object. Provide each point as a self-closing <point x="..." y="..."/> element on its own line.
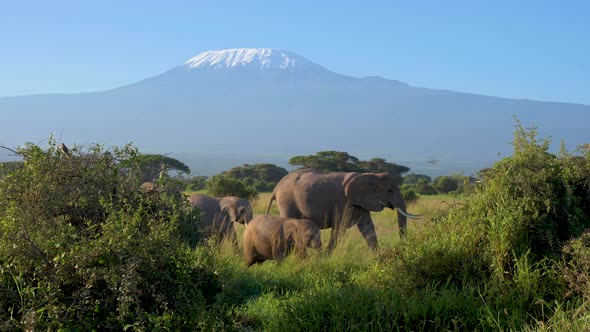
<point x="445" y="184"/>
<point x="260" y="177"/>
<point x="327" y="161"/>
<point x="379" y="165"/>
<point x="258" y="172"/>
<point x="337" y="161"/>
<point x="220" y="186"/>
<point x="152" y="165"/>
<point x="414" y="179"/>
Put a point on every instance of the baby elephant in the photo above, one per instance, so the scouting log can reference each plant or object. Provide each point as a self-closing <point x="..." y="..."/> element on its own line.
<point x="272" y="237"/>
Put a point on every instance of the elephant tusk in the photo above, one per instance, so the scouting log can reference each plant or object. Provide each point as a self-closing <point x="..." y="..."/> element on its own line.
<point x="409" y="215"/>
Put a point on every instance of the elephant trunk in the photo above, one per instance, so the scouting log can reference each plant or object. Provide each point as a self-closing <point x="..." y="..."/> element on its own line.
<point x="402" y="222"/>
<point x="402" y="219"/>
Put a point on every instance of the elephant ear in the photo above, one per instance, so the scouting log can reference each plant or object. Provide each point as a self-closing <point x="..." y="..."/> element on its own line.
<point x="360" y="191"/>
<point x="229" y="208"/>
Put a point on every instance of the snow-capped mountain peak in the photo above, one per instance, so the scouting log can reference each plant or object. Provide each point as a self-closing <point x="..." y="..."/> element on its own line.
<point x="256" y="58"/>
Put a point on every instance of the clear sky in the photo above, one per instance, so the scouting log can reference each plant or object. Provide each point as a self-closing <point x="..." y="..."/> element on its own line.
<point x="536" y="49"/>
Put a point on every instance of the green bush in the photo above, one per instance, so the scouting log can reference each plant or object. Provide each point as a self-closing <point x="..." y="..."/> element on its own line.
<point x="9" y="166"/>
<point x="409" y="194"/>
<point x="154" y="166"/>
<point x="82" y="248"/>
<point x="423" y="187"/>
<point x="445" y="184"/>
<point x="413" y="178"/>
<point x="196" y="183"/>
<point x="338" y="161"/>
<point x="220" y="186"/>
<point x="506" y="238"/>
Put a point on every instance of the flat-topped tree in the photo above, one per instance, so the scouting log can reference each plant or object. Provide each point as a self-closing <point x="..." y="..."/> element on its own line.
<point x="152" y="166"/>
<point x="338" y="161"/>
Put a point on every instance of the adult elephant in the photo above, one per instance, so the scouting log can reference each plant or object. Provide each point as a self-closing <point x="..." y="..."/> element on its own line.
<point x="339" y="200"/>
<point x="219" y="214"/>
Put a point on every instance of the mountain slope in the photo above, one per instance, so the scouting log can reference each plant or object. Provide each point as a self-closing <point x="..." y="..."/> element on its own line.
<point x="249" y="105"/>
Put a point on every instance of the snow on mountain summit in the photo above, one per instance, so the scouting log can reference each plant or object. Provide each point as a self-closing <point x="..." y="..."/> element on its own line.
<point x="259" y="58"/>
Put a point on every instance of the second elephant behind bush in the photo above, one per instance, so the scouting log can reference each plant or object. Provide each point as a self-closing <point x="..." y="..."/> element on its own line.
<point x="219" y="214"/>
<point x="271" y="237"/>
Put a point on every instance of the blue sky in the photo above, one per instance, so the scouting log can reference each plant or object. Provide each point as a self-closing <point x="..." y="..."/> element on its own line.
<point x="517" y="49"/>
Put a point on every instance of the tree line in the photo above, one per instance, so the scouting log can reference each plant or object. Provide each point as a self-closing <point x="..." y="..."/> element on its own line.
<point x="248" y="180"/>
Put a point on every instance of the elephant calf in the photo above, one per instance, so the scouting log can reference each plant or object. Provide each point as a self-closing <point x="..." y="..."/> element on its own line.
<point x="219" y="214"/>
<point x="271" y="237"/>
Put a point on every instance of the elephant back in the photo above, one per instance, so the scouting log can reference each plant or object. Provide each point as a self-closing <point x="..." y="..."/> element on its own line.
<point x="207" y="204"/>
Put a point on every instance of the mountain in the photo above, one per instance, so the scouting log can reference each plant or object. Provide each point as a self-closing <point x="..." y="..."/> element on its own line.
<point x="224" y="108"/>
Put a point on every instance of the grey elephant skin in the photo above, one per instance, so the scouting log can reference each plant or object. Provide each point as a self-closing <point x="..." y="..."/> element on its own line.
<point x="272" y="238"/>
<point x="339" y="200"/>
<point x="219" y="214"/>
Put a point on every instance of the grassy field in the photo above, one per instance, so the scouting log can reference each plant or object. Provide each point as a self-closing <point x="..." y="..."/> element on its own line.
<point x="385" y="221"/>
<point x="511" y="255"/>
<point x="325" y="288"/>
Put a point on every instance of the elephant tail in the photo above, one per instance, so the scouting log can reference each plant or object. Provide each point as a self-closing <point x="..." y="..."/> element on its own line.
<point x="273" y="197"/>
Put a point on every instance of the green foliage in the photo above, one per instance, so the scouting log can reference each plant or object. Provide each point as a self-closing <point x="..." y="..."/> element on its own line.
<point x="541" y="199"/>
<point x="327" y="161"/>
<point x="220" y="186"/>
<point x="152" y="166"/>
<point x="456" y="184"/>
<point x="262" y="172"/>
<point x="575" y="267"/>
<point x="490" y="262"/>
<point x="81" y="248"/>
<point x="409" y="194"/>
<point x="529" y="204"/>
<point x="413" y="178"/>
<point x="195" y="183"/>
<point x="445" y="184"/>
<point x="336" y="161"/>
<point x="261" y="177"/>
<point x="379" y="165"/>
<point x="9" y="166"/>
<point x="423" y="187"/>
<point x="509" y="254"/>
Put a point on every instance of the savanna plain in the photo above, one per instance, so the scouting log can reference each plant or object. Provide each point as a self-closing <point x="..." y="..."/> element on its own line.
<point x="82" y="249"/>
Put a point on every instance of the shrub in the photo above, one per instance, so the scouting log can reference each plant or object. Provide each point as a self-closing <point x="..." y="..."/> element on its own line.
<point x="82" y="248"/>
<point x="338" y="161"/>
<point x="413" y="178"/>
<point x="408" y="193"/>
<point x="531" y="202"/>
<point x="196" y="183"/>
<point x="153" y="166"/>
<point x="504" y="239"/>
<point x="423" y="187"/>
<point x="9" y="166"/>
<point x="220" y="186"/>
<point x="445" y="184"/>
<point x="575" y="267"/>
<point x="257" y="172"/>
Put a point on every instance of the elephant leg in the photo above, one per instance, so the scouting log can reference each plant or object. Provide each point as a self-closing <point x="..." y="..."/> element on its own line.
<point x="250" y="256"/>
<point x="289" y="209"/>
<point x="230" y="234"/>
<point x="337" y="232"/>
<point x="234" y="239"/>
<point x="301" y="250"/>
<point x="367" y="229"/>
<point x="278" y="250"/>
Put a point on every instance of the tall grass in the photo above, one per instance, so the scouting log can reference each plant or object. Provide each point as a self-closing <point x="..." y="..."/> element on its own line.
<point x="440" y="278"/>
<point x="351" y="289"/>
